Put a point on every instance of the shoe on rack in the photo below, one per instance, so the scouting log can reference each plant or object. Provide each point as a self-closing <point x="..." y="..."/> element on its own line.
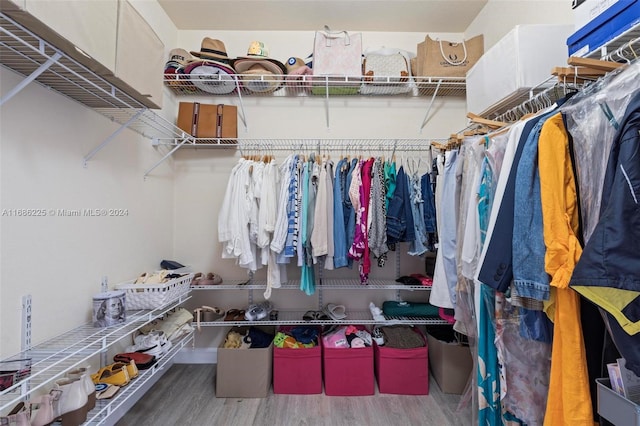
<point x="132" y="369"/>
<point x="19" y="416"/>
<point x="83" y="374"/>
<point x="73" y="401"/>
<point x="155" y="343"/>
<point x="105" y="391"/>
<point x="142" y="360"/>
<point x="258" y="311"/>
<point x="112" y="376"/>
<point x="42" y="408"/>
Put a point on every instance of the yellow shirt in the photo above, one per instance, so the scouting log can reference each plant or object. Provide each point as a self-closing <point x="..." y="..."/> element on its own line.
<point x="569" y="399"/>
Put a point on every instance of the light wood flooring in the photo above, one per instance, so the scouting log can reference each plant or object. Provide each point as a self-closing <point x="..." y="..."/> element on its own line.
<point x="185" y="395"/>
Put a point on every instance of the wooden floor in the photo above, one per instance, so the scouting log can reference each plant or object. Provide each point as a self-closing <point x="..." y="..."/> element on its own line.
<point x="185" y="395"/>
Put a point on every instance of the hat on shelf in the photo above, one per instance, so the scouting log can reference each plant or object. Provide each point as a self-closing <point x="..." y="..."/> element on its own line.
<point x="211" y="77"/>
<point x="212" y="49"/>
<point x="296" y="69"/>
<point x="294" y="63"/>
<point x="178" y="59"/>
<point x="258" y="71"/>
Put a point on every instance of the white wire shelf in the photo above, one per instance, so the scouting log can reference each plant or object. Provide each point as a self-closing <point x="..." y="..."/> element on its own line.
<point x="39" y="60"/>
<point x="331" y="284"/>
<point x="313" y="86"/>
<point x="51" y="359"/>
<point x="309" y="144"/>
<point x="353" y="317"/>
<point x="130" y="393"/>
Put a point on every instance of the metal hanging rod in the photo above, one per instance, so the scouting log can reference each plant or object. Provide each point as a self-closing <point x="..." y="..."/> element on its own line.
<point x="539" y="101"/>
<point x="326" y="145"/>
<point x="628" y="52"/>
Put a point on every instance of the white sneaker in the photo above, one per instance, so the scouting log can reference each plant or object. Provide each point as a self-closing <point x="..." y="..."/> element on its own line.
<point x="155" y="343"/>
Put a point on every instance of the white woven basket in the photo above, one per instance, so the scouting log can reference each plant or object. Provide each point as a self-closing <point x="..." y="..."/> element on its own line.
<point x="151" y="296"/>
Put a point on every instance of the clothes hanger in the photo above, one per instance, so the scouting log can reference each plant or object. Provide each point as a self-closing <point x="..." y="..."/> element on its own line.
<point x="489" y="123"/>
<point x="597" y="64"/>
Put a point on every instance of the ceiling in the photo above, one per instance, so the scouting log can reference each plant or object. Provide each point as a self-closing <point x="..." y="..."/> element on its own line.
<point x="305" y="15"/>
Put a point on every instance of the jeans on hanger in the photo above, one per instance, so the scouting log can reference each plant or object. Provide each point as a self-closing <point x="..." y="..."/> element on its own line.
<point x="418" y="247"/>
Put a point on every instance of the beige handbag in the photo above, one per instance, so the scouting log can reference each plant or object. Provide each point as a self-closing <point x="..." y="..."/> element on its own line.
<point x="440" y="58"/>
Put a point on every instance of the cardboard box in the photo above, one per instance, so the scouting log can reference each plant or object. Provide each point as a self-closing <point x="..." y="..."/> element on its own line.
<point x="402" y="371"/>
<point x="297" y="371"/>
<point x="451" y="365"/>
<point x="208" y="121"/>
<point x="348" y="371"/>
<point x="244" y="373"/>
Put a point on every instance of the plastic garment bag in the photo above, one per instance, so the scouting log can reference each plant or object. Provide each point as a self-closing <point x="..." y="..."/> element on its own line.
<point x="592" y="118"/>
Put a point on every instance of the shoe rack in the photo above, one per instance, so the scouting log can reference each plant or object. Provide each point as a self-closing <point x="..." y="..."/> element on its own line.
<point x="52" y="359"/>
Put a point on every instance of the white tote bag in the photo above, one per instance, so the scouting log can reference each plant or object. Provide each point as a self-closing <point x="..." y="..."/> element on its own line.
<point x="387" y="71"/>
<point x="337" y="54"/>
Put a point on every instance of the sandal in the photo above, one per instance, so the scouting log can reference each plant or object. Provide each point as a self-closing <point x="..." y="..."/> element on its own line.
<point x="231" y="314"/>
<point x="336" y="312"/>
<point x="235" y="315"/>
<point x="210" y="279"/>
<point x="196" y="279"/>
<point x="315" y="316"/>
<point x="106" y="391"/>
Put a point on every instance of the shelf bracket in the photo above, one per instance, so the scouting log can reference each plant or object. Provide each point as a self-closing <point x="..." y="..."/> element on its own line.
<point x="35" y="74"/>
<point x="243" y="115"/>
<point x="326" y="101"/>
<point x="106" y="142"/>
<point x="433" y="98"/>
<point x="167" y="155"/>
<point x="26" y="323"/>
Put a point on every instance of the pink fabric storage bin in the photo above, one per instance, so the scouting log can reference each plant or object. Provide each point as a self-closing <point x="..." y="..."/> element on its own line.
<point x="402" y="371"/>
<point x="297" y="371"/>
<point x="348" y="371"/>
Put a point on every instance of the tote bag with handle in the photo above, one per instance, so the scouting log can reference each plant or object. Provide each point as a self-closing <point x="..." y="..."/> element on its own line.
<point x="441" y="58"/>
<point x="387" y="71"/>
<point x="337" y="55"/>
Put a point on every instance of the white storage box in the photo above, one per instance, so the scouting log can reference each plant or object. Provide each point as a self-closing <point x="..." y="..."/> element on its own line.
<point x="521" y="60"/>
<point x="151" y="296"/>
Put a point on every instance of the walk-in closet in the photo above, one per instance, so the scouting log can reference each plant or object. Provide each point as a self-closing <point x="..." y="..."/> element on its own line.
<point x="321" y="213"/>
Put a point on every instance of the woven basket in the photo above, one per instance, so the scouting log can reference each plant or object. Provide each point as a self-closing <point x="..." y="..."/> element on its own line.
<point x="151" y="296"/>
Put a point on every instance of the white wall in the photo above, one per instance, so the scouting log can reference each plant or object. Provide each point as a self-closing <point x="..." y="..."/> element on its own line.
<point x="498" y="17"/>
<point x="60" y="261"/>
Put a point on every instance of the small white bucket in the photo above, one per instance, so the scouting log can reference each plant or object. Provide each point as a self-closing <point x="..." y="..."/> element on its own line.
<point x="109" y="308"/>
